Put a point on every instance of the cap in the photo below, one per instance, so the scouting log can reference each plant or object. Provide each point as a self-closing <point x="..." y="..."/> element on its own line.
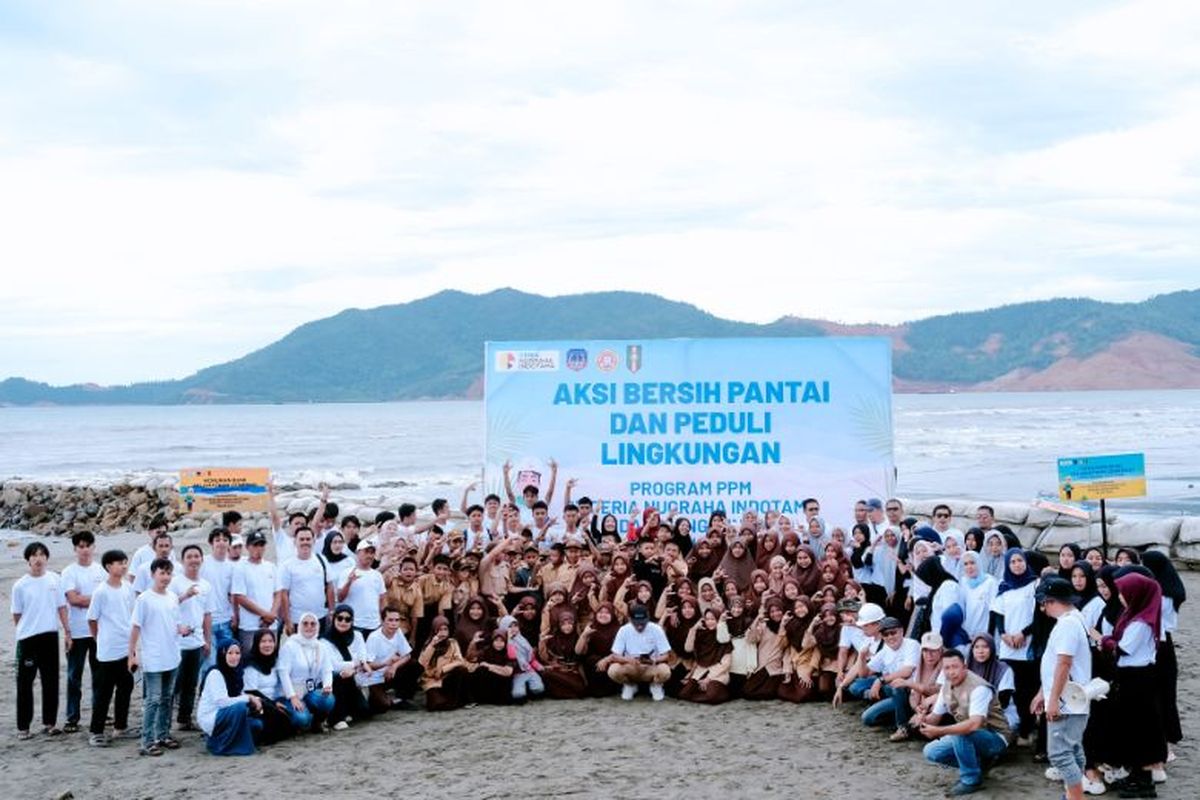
<point x="1054" y="588"/>
<point x="875" y="503"/>
<point x="255" y="538"/>
<point x="932" y="641"/>
<point x="364" y="544"/>
<point x="639" y="614"/>
<point x="869" y="613"/>
<point x="574" y="543"/>
<point x="890" y="624"/>
<point x="848" y="604"/>
<point x="237" y="540"/>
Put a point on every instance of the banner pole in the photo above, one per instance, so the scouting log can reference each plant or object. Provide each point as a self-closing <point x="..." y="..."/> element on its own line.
<point x="1104" y="529"/>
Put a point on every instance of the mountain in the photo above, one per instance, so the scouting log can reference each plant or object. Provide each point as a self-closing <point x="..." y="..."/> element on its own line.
<point x="433" y="347"/>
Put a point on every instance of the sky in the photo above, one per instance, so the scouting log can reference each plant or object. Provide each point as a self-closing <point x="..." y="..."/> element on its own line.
<point x="182" y="183"/>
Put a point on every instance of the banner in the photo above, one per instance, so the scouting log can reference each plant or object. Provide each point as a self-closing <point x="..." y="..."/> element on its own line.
<point x="1102" y="477"/>
<point x="223" y="489"/>
<point x="700" y="424"/>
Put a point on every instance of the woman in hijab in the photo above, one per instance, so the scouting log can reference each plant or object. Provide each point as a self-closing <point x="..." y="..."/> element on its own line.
<point x="704" y="559"/>
<point x="1087" y="599"/>
<point x="1068" y="554"/>
<point x="595" y="648"/>
<point x="347" y="653"/>
<point x="807" y="571"/>
<point x="444" y="669"/>
<point x="973" y="539"/>
<point x="993" y="555"/>
<point x="337" y="558"/>
<point x="526" y="679"/>
<point x="584" y="596"/>
<point x="1135" y="641"/>
<point x="768" y="548"/>
<point x="619" y="572"/>
<point x="226" y="712"/>
<point x="1174" y="594"/>
<point x="952" y="553"/>
<point x="306" y="673"/>
<point x="737" y="565"/>
<point x="885" y="558"/>
<point x="262" y="678"/>
<point x="1126" y="556"/>
<point x="681" y="535"/>
<point x="470" y="625"/>
<point x="985" y="663"/>
<point x="977" y="591"/>
<point x="945" y="608"/>
<point x="814" y="664"/>
<point x="561" y="670"/>
<point x="708" y="681"/>
<point x="768" y="637"/>
<point x="491" y="669"/>
<point x="1013" y="621"/>
<point x="526" y="615"/>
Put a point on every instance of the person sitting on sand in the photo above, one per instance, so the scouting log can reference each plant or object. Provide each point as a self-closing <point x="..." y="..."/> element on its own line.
<point x="640" y="652"/>
<point x="226" y="713"/>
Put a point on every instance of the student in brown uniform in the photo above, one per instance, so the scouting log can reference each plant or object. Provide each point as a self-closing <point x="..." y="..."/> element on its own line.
<point x="708" y="682"/>
<point x="769" y="638"/>
<point x="491" y="669"/>
<point x="444" y="676"/>
<point x="561" y="669"/>
<point x="595" y="647"/>
<point x="404" y="594"/>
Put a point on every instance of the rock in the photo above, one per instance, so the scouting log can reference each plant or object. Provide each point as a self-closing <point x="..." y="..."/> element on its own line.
<point x="11" y="497"/>
<point x="1189" y="530"/>
<point x="91" y="509"/>
<point x="34" y="511"/>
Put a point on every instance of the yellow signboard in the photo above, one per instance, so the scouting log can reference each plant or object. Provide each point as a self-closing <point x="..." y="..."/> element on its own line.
<point x="223" y="489"/>
<point x="1083" y="478"/>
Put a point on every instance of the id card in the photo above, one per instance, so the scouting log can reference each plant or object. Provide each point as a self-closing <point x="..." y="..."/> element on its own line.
<point x="310" y="685"/>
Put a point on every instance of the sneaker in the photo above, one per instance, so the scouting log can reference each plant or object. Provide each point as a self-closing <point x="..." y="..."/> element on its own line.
<point x="98" y="740"/>
<point x="628" y="691"/>
<point x="1158" y="775"/>
<point x="1093" y="787"/>
<point x="341" y="726"/>
<point x="1171" y="755"/>
<point x="1112" y="776"/>
<point x="657" y="693"/>
<point x="1052" y="774"/>
<point x="960" y="788"/>
<point x="24" y="735"/>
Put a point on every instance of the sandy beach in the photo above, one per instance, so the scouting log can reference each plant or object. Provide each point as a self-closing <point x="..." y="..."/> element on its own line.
<point x="590" y="748"/>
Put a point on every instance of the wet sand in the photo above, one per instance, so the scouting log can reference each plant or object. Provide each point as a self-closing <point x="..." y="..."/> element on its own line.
<point x="587" y="748"/>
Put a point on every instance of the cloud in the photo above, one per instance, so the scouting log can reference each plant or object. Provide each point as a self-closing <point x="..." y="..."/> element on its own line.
<point x="183" y="183"/>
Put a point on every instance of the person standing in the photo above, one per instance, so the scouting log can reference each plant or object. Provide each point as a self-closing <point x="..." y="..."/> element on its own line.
<point x="195" y="639"/>
<point x="156" y="628"/>
<point x="302" y="585"/>
<point x="217" y="569"/>
<point x="109" y="615"/>
<point x="38" y="608"/>
<point x="254" y="592"/>
<point x="1067" y="657"/>
<point x="363" y="590"/>
<point x="79" y="581"/>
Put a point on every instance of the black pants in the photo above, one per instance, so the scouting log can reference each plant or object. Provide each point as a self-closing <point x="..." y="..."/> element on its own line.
<point x="109" y="677"/>
<point x="1168" y="680"/>
<point x="348" y="700"/>
<point x="37" y="655"/>
<point x="185" y="682"/>
<point x="1026" y="682"/>
<point x="404" y="684"/>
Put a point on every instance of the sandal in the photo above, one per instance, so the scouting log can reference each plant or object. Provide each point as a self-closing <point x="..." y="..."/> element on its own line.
<point x="152" y="750"/>
<point x="50" y="730"/>
<point x="899" y="735"/>
<point x="24" y="735"/>
<point x="169" y="743"/>
<point x="71" y="727"/>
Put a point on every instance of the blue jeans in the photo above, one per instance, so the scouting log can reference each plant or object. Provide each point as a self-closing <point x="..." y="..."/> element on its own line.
<point x="890" y="709"/>
<point x="317" y="707"/>
<point x="157" y="692"/>
<point x="83" y="651"/>
<point x="221" y="632"/>
<point x="859" y="687"/>
<point x="527" y="683"/>
<point x="967" y="753"/>
<point x="1064" y="746"/>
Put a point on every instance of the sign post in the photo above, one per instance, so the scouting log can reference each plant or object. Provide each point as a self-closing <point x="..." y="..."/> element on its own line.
<point x="1082" y="478"/>
<point x="208" y="489"/>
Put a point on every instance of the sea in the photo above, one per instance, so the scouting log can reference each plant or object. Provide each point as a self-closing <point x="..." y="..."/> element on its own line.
<point x="999" y="446"/>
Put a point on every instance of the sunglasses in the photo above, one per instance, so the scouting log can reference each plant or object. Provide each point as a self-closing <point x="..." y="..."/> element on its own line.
<point x="893" y="508"/>
<point x="941" y="516"/>
<point x="344" y="618"/>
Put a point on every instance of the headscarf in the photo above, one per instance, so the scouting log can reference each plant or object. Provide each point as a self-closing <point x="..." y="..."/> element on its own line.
<point x="796" y="627"/>
<point x="826" y="636"/>
<point x="993" y="565"/>
<point x="773" y="602"/>
<point x="934" y="574"/>
<point x="993" y="670"/>
<point x="976" y="533"/>
<point x="232" y="675"/>
<point x="1113" y="607"/>
<point x="579" y="590"/>
<point x="736" y="569"/>
<point x="1037" y="562"/>
<point x="973" y="583"/>
<point x="603" y="636"/>
<point x="520" y="646"/>
<point x="465" y="628"/>
<point x="764" y="555"/>
<point x="1143" y="602"/>
<point x="1134" y="556"/>
<point x="701" y="566"/>
<point x="701" y="603"/>
<point x="327" y="549"/>
<point x="340" y="641"/>
<point x="441" y="647"/>
<point x="886" y="558"/>
<point x="1012" y="581"/>
<point x="1082" y="598"/>
<point x="706" y="649"/>
<point x="613" y="581"/>
<point x="309" y="644"/>
<point x="562" y="645"/>
<point x="1063" y="572"/>
<point x="263" y="664"/>
<point x="809" y="579"/>
<point x="1166" y="575"/>
<point x="1010" y="538"/>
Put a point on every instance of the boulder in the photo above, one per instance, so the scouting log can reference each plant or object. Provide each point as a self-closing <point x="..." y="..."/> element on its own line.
<point x="1189" y="530"/>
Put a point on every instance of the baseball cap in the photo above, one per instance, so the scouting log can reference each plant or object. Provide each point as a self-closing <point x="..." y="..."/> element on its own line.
<point x="639" y="614"/>
<point x="364" y="544"/>
<point x="932" y="641"/>
<point x="255" y="538"/>
<point x="847" y="604"/>
<point x="875" y="503"/>
<point x="1054" y="588"/>
<point x="237" y="540"/>
<point x="870" y="612"/>
<point x="890" y="624"/>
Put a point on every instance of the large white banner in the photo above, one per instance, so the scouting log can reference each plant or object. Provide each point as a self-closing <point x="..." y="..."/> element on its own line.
<point x="700" y="424"/>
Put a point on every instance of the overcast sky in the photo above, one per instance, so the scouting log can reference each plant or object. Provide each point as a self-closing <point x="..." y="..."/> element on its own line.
<point x="181" y="183"/>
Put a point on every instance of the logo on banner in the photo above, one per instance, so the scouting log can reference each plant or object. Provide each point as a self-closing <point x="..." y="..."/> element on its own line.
<point x="576" y="359"/>
<point x="607" y="361"/>
<point x="633" y="357"/>
<point x="527" y="360"/>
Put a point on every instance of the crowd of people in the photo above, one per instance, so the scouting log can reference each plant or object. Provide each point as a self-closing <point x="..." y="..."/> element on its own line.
<point x="962" y="641"/>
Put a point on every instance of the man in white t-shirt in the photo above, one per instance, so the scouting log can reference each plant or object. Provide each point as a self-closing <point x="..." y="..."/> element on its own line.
<point x="303" y="584"/>
<point x="363" y="589"/>
<point x="79" y="580"/>
<point x="195" y="641"/>
<point x="254" y="592"/>
<point x="217" y="569"/>
<point x="390" y="660"/>
<point x="156" y="628"/>
<point x="891" y="665"/>
<point x="146" y="553"/>
<point x="639" y="655"/>
<point x="163" y="548"/>
<point x="109" y="618"/>
<point x="38" y="607"/>
<point x="858" y="641"/>
<point x="1067" y="657"/>
<point x="979" y="733"/>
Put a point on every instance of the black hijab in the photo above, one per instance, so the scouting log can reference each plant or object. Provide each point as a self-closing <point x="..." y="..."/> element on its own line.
<point x="327" y="549"/>
<point x="341" y="641"/>
<point x="263" y="664"/>
<point x="232" y="675"/>
<point x="933" y="573"/>
<point x="1063" y="572"/>
<point x="1166" y="575"/>
<point x="1089" y="590"/>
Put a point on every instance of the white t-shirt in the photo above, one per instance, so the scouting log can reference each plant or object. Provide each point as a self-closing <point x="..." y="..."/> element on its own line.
<point x="1094" y="608"/>
<point x="192" y="610"/>
<point x="285" y="545"/>
<point x="83" y="580"/>
<point x="853" y="637"/>
<point x="380" y="649"/>
<point x="270" y="684"/>
<point x="887" y="660"/>
<point x="1016" y="606"/>
<point x="977" y="604"/>
<point x="142" y="577"/>
<point x="1138" y="648"/>
<point x="219" y="575"/>
<point x="157" y="615"/>
<point x="363" y="597"/>
<point x="214" y="696"/>
<point x="945" y="597"/>
<point x="337" y="571"/>
<point x="112" y="610"/>
<point x="257" y="583"/>
<point x="304" y="582"/>
<point x="1067" y="638"/>
<point x="652" y="641"/>
<point x="37" y="600"/>
<point x="977" y="706"/>
<point x="304" y="666"/>
<point x="1169" y="619"/>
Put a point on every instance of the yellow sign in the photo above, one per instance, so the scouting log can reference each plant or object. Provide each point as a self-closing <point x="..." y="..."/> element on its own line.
<point x="223" y="489"/>
<point x="1083" y="478"/>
